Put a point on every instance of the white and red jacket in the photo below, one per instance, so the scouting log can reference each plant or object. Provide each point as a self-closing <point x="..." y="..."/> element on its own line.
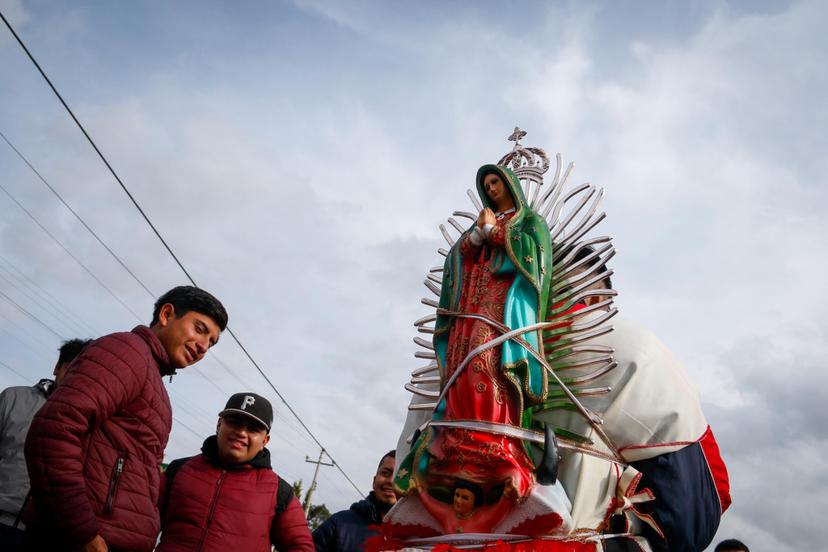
<point x="675" y="485"/>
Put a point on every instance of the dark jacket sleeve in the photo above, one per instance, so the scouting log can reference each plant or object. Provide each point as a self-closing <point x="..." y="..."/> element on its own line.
<point x="102" y="379"/>
<point x="324" y="536"/>
<point x="290" y="531"/>
<point x="692" y="492"/>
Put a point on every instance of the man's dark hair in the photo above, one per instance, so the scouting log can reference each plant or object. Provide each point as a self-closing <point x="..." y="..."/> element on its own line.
<point x="585" y="252"/>
<point x="476" y="490"/>
<point x="70" y="349"/>
<point x="189" y="298"/>
<point x="389" y="454"/>
<point x="731" y="544"/>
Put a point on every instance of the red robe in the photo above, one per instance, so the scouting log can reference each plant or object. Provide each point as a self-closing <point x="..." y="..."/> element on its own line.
<point x="482" y="391"/>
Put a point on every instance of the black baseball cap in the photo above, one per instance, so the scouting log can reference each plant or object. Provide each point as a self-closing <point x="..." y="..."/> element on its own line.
<point x="252" y="405"/>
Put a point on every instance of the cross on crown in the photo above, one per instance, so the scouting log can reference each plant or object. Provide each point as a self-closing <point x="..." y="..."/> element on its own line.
<point x="516" y="136"/>
<point x="526" y="162"/>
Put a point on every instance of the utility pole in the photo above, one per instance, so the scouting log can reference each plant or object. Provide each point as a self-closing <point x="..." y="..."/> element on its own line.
<point x="312" y="488"/>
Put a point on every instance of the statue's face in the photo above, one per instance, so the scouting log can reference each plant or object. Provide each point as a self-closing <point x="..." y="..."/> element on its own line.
<point x="463" y="501"/>
<point x="495" y="188"/>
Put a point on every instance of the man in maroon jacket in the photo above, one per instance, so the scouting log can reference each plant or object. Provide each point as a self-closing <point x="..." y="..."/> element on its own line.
<point x="94" y="449"/>
<point x="228" y="497"/>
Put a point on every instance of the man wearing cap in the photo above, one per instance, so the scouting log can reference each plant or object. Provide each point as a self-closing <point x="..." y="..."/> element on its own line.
<point x="228" y="497"/>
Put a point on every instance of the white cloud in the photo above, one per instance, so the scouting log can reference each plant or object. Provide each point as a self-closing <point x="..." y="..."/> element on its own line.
<point x="16" y="14"/>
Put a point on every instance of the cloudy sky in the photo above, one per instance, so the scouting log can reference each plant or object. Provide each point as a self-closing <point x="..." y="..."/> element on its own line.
<point x="298" y="156"/>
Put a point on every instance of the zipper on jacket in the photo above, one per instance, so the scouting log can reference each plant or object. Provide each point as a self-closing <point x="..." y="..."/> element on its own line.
<point x="113" y="484"/>
<point x="212" y="510"/>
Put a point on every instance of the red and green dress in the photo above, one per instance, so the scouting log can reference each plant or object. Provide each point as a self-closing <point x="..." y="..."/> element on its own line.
<point x="506" y="280"/>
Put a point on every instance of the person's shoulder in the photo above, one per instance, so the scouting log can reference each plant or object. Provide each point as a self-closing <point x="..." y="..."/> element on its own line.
<point x="118" y="340"/>
<point x="131" y="347"/>
<point x="265" y="474"/>
<point x="18" y="390"/>
<point x="631" y="330"/>
<point x="178" y="463"/>
<point x="135" y="339"/>
<point x="344" y="517"/>
<point x="12" y="398"/>
<point x="23" y="394"/>
<point x="633" y="342"/>
<point x="332" y="525"/>
<point x="364" y="510"/>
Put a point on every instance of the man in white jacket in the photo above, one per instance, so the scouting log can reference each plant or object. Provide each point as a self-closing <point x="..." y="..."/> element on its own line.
<point x="672" y="487"/>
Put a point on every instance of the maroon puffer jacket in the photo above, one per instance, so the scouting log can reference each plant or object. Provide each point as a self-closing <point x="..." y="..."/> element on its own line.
<point x="94" y="449"/>
<point x="211" y="508"/>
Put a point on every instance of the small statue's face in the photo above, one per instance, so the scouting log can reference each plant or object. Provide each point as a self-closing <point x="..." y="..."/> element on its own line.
<point x="463" y="501"/>
<point x="494" y="188"/>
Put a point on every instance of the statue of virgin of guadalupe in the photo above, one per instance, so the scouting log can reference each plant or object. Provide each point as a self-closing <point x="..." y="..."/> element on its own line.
<point x="496" y="278"/>
<point x="496" y="274"/>
<point x="477" y="460"/>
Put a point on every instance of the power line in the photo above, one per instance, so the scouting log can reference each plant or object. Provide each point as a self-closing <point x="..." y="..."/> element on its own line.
<point x="37" y="344"/>
<point x="227" y="369"/>
<point x="32" y="316"/>
<point x="290" y="408"/>
<point x="37" y="351"/>
<point x="188" y="428"/>
<point x="77" y="216"/>
<point x="60" y="243"/>
<point x="208" y="380"/>
<point x="95" y="147"/>
<point x="167" y="247"/>
<point x="6" y="366"/>
<point x="48" y="297"/>
<point x="51" y="311"/>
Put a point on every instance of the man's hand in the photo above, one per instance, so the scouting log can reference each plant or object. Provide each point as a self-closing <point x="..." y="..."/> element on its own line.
<point x="486" y="216"/>
<point x="98" y="544"/>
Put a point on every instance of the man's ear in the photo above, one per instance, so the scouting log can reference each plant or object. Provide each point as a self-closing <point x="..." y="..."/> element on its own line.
<point x="218" y="425"/>
<point x="266" y="439"/>
<point x="166" y="314"/>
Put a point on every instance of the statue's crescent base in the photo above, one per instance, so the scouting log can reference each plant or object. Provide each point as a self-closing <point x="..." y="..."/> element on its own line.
<point x="488" y="543"/>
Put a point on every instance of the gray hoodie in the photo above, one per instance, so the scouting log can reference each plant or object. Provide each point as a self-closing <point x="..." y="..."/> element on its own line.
<point x="18" y="406"/>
